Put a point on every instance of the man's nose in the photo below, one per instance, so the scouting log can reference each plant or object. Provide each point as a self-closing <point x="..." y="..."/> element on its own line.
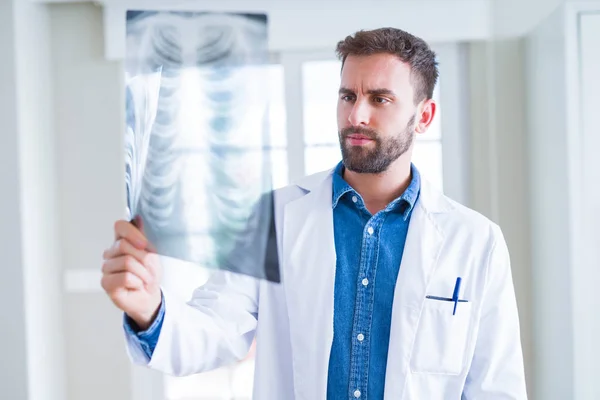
<point x="360" y="114"/>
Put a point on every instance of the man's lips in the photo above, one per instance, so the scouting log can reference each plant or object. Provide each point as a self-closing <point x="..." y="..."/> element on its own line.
<point x="357" y="139"/>
<point x="358" y="136"/>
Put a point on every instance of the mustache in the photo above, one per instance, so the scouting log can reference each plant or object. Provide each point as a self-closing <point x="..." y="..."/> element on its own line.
<point x="358" y="130"/>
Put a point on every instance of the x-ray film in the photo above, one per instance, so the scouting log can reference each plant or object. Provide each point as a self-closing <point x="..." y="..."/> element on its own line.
<point x="198" y="170"/>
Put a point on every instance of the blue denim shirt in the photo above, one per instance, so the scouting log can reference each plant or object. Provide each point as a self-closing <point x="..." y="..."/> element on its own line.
<point x="369" y="250"/>
<point x="146" y="339"/>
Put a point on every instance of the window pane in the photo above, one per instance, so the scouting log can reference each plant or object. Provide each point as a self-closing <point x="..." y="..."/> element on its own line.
<point x="320" y="85"/>
<point x="427" y="157"/>
<point x="321" y="158"/>
<point x="277" y="115"/>
<point x="279" y="163"/>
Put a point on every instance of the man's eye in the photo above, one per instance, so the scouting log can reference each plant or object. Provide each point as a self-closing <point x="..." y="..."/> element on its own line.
<point x="347" y="97"/>
<point x="381" y="100"/>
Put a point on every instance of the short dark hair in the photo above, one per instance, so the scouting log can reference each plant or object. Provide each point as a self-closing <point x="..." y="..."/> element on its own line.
<point x="408" y="48"/>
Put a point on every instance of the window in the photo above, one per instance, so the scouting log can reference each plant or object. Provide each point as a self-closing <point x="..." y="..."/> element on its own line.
<point x="320" y="84"/>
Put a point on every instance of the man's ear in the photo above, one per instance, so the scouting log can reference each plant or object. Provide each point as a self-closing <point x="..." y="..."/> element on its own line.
<point x="425" y="114"/>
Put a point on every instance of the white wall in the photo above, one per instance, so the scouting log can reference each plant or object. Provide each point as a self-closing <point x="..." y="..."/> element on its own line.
<point x="499" y="158"/>
<point x="533" y="181"/>
<point x="515" y="18"/>
<point x="13" y="342"/>
<point x="40" y="221"/>
<point x="563" y="61"/>
<point x="30" y="288"/>
<point x="551" y="250"/>
<point x="499" y="170"/>
<point x="501" y="154"/>
<point x="89" y="121"/>
<point x="512" y="192"/>
<point x="587" y="273"/>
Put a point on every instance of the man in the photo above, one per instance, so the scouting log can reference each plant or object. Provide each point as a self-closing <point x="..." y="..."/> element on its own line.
<point x="389" y="289"/>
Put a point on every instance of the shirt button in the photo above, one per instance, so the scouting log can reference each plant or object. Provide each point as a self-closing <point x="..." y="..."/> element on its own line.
<point x="360" y="337"/>
<point x="370" y="230"/>
<point x="354" y="199"/>
<point x="365" y="282"/>
<point x="357" y="393"/>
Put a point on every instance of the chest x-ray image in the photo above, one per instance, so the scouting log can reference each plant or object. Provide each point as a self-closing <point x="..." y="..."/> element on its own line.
<point x="198" y="174"/>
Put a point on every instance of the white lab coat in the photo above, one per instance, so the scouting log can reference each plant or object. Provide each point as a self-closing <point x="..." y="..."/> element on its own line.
<point x="432" y="355"/>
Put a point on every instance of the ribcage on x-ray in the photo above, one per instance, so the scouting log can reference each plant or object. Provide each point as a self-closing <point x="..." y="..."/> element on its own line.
<point x="212" y="164"/>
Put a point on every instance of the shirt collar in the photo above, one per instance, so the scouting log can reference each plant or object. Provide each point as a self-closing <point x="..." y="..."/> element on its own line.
<point x="340" y="186"/>
<point x="405" y="202"/>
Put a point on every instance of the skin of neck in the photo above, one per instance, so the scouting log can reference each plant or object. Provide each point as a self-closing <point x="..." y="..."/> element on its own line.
<point x="379" y="190"/>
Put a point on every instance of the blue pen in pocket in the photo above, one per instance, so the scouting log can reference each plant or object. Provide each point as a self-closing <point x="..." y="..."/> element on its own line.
<point x="455" y="296"/>
<point x="456" y="293"/>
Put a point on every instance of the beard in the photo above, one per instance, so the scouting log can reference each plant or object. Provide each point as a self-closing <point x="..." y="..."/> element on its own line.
<point x="375" y="160"/>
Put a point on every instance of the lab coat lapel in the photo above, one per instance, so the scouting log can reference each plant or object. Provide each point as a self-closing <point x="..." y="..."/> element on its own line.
<point x="309" y="260"/>
<point x="419" y="261"/>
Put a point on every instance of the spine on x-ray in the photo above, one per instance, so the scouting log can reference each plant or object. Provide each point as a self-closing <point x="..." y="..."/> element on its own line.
<point x="160" y="176"/>
<point x="234" y="84"/>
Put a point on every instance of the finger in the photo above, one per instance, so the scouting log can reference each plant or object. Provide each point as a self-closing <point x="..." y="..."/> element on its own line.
<point x="124" y="247"/>
<point x="152" y="264"/>
<point x="121" y="280"/>
<point x="127" y="264"/>
<point x="127" y="230"/>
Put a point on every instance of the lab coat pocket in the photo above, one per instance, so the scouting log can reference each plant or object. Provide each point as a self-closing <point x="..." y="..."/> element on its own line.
<point x="441" y="338"/>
